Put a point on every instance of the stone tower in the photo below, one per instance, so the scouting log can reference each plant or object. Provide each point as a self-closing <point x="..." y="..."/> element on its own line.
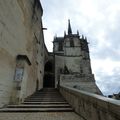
<point x="72" y="62"/>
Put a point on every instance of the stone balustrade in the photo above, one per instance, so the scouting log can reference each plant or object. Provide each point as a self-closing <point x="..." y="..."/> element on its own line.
<point x="91" y="106"/>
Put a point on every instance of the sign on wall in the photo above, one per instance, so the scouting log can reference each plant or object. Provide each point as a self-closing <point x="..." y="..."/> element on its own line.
<point x="19" y="74"/>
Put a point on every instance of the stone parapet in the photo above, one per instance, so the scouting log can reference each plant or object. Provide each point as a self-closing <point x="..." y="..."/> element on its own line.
<point x="91" y="106"/>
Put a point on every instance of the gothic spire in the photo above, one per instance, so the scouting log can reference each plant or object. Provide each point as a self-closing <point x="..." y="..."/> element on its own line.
<point x="69" y="28"/>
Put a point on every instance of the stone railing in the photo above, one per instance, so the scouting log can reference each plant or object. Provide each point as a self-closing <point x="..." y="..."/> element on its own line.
<point x="91" y="106"/>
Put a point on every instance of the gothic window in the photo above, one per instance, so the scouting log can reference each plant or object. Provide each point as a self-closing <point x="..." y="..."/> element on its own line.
<point x="84" y="46"/>
<point x="60" y="47"/>
<point x="71" y="43"/>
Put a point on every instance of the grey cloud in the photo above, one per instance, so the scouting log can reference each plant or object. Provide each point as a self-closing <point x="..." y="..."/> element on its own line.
<point x="112" y="51"/>
<point x="111" y="37"/>
<point x="109" y="84"/>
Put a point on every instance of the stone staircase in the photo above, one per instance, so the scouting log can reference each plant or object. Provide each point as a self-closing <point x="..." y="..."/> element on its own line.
<point x="45" y="100"/>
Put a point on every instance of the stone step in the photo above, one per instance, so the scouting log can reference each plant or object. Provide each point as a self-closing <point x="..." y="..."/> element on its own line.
<point x="59" y="99"/>
<point x="36" y="110"/>
<point x="45" y="97"/>
<point x="40" y="106"/>
<point x="41" y="91"/>
<point x="35" y="95"/>
<point x="40" y="100"/>
<point x="47" y="91"/>
<point x="46" y="100"/>
<point x="45" y="94"/>
<point x="52" y="102"/>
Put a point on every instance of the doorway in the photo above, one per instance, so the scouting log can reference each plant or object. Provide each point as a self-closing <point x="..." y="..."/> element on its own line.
<point x="49" y="80"/>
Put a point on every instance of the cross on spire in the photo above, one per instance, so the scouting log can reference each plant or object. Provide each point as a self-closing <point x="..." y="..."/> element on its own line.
<point x="69" y="28"/>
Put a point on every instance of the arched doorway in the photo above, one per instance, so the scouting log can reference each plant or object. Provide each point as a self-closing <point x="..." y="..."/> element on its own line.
<point x="49" y="80"/>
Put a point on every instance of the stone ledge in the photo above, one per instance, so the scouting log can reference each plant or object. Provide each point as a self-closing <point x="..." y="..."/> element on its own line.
<point x="23" y="57"/>
<point x="90" y="105"/>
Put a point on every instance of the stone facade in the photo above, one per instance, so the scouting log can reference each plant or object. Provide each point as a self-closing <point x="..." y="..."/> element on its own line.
<point x="22" y="49"/>
<point x="72" y="62"/>
<point x="27" y="66"/>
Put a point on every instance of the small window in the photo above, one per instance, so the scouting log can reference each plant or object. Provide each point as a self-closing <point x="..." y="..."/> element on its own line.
<point x="71" y="43"/>
<point x="60" y="48"/>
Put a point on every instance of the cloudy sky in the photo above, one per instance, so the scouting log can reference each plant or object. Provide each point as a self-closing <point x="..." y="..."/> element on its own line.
<point x="99" y="20"/>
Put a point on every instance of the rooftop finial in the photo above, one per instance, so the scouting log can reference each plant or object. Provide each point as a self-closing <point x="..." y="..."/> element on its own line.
<point x="64" y="33"/>
<point x="77" y="32"/>
<point x="55" y="36"/>
<point x="69" y="28"/>
<point x="82" y="36"/>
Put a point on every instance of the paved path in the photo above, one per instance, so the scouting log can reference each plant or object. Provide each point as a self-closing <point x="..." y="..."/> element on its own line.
<point x="40" y="116"/>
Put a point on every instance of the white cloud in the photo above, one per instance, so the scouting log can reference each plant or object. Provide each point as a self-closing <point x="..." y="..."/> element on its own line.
<point x="107" y="74"/>
<point x="106" y="66"/>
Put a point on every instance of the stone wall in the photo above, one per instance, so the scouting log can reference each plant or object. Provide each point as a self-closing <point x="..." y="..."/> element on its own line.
<point x="80" y="81"/>
<point x="20" y="34"/>
<point x="91" y="106"/>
